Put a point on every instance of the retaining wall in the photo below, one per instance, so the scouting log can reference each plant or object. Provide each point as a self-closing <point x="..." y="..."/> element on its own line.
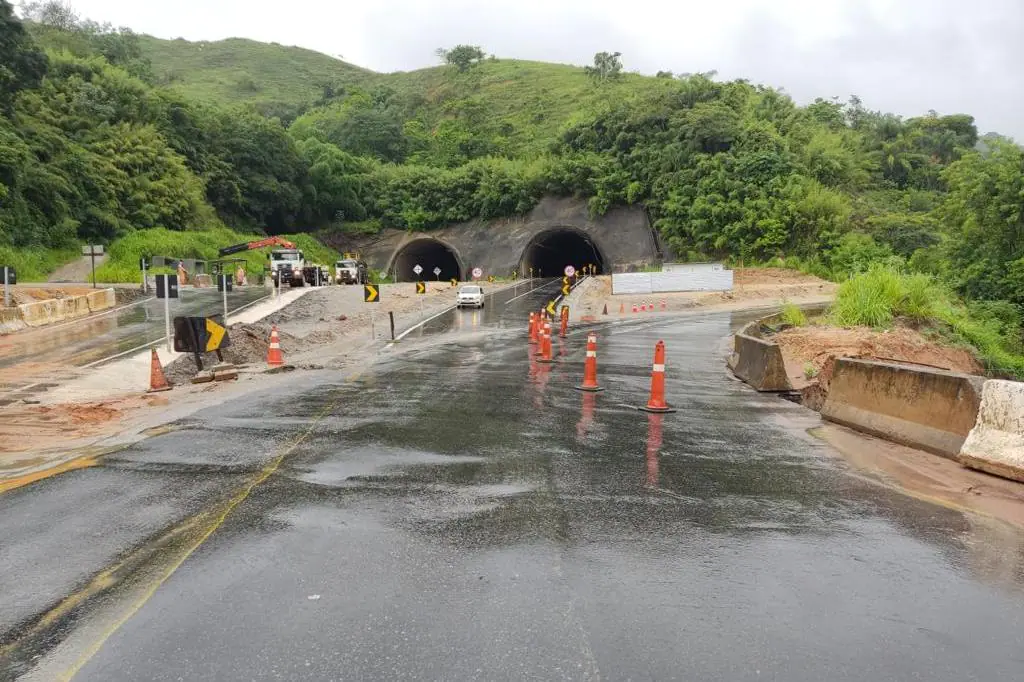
<point x="54" y="310"/>
<point x="996" y="443"/>
<point x="924" y="408"/>
<point x="758" y="362"/>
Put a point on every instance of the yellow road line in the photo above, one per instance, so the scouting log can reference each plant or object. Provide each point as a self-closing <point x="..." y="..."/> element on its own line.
<point x="205" y="523"/>
<point x="70" y="465"/>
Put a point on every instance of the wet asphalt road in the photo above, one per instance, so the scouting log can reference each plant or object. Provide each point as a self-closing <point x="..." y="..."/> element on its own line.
<point x="88" y="340"/>
<point x="460" y="512"/>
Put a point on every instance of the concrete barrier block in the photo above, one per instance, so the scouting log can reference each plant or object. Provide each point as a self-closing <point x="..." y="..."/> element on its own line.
<point x="996" y="443"/>
<point x="921" y="407"/>
<point x="42" y="313"/>
<point x="75" y="307"/>
<point x="202" y="281"/>
<point x="101" y="300"/>
<point x="759" y="362"/>
<point x="10" y="320"/>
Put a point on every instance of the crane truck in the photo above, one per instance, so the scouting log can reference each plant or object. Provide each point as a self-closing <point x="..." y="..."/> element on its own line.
<point x="287" y="262"/>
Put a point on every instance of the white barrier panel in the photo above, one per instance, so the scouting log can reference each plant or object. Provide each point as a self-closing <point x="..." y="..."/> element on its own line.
<point x="631" y="283"/>
<point x="691" y="267"/>
<point x="702" y="279"/>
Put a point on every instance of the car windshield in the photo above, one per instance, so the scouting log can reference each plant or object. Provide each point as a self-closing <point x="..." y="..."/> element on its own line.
<point x="285" y="256"/>
<point x="345" y="264"/>
<point x="469" y="290"/>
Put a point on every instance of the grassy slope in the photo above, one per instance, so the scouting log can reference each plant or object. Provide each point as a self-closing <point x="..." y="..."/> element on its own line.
<point x="239" y="70"/>
<point x="536" y="98"/>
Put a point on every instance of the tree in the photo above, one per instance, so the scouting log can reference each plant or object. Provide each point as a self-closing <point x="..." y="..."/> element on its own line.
<point x="22" y="64"/>
<point x="53" y="13"/>
<point x="606" y="66"/>
<point x="462" y="57"/>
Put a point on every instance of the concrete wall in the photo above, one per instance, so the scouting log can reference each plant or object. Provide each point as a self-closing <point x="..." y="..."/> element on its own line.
<point x="623" y="236"/>
<point x="758" y="362"/>
<point x="924" y="408"/>
<point x="698" y="277"/>
<point x="54" y="310"/>
<point x="996" y="443"/>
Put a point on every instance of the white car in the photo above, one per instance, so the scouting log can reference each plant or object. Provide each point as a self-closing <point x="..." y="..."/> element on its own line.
<point x="470" y="295"/>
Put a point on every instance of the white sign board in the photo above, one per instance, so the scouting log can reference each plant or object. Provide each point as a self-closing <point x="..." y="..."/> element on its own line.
<point x="437" y="271"/>
<point x="708" y="277"/>
<point x="569" y="271"/>
<point x="478" y="273"/>
<point x="417" y="269"/>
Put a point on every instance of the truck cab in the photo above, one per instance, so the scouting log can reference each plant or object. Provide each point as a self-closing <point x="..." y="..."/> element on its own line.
<point x="287" y="265"/>
<point x="350" y="270"/>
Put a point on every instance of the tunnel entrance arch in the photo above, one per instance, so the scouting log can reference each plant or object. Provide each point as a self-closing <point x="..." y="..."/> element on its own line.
<point x="428" y="253"/>
<point x="551" y="250"/>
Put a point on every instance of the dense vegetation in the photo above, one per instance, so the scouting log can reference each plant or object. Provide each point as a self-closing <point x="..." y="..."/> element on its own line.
<point x="104" y="133"/>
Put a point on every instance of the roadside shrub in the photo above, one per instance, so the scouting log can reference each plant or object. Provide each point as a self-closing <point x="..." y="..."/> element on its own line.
<point x="792" y="315"/>
<point x="867" y="300"/>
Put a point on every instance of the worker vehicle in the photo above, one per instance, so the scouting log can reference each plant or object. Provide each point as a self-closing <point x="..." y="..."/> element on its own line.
<point x="470" y="295"/>
<point x="351" y="270"/>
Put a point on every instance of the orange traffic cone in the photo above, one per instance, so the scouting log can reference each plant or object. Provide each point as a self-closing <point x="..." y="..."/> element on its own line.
<point x="545" y="343"/>
<point x="533" y="327"/>
<point x="605" y="311"/>
<point x="657" y="403"/>
<point x="590" y="367"/>
<point x="275" y="358"/>
<point x="634" y="307"/>
<point x="664" y="306"/>
<point x="650" y="307"/>
<point x="563" y="330"/>
<point x="622" y="309"/>
<point x="157" y="381"/>
<point x="541" y="320"/>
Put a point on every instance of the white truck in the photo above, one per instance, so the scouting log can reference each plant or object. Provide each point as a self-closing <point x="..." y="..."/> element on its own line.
<point x="287" y="266"/>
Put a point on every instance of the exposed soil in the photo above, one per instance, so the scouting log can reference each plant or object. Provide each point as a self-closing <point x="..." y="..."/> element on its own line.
<point x="21" y="295"/>
<point x="817" y="346"/>
<point x="751" y="287"/>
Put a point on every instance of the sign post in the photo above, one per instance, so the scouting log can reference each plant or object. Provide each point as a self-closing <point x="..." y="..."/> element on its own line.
<point x="478" y="273"/>
<point x="417" y="269"/>
<point x="437" y="274"/>
<point x="167" y="288"/>
<point x="142" y="266"/>
<point x="224" y="285"/>
<point x="92" y="251"/>
<point x="10" y="277"/>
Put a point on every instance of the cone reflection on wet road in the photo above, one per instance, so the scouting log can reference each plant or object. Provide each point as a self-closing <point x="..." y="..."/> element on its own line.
<point x="653" y="447"/>
<point x="586" y="416"/>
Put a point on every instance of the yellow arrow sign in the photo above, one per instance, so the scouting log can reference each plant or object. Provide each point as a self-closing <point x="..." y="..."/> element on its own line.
<point x="551" y="308"/>
<point x="370" y="293"/>
<point x="421" y="288"/>
<point x="565" y="290"/>
<point x="214" y="335"/>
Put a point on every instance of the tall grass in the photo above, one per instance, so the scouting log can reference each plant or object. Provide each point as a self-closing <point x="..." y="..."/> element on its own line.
<point x="34" y="264"/>
<point x="877" y="297"/>
<point x="792" y="315"/>
<point x="123" y="262"/>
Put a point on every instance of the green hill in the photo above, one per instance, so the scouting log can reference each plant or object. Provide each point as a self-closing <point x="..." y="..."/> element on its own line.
<point x="238" y="70"/>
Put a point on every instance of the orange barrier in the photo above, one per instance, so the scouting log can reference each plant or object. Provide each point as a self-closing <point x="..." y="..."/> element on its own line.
<point x="657" y="403"/>
<point x="275" y="358"/>
<point x="590" y="367"/>
<point x="157" y="381"/>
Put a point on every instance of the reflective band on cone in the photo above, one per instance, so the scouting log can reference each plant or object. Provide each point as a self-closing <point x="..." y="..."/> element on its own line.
<point x="545" y="343"/>
<point x="275" y="358"/>
<point x="657" y="403"/>
<point x="590" y="367"/>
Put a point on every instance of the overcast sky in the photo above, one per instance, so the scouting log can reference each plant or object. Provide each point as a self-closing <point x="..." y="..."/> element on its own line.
<point x="905" y="56"/>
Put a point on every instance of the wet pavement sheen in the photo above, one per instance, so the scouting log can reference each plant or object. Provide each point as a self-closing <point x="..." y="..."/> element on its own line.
<point x="461" y="512"/>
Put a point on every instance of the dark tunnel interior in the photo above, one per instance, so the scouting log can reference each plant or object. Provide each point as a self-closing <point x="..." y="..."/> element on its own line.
<point x="548" y="253"/>
<point x="428" y="254"/>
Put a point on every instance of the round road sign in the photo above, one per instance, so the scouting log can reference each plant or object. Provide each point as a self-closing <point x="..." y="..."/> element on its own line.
<point x="569" y="271"/>
<point x="417" y="269"/>
<point x="477" y="272"/>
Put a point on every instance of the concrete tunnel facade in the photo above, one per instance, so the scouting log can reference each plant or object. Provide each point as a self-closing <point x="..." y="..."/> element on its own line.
<point x="556" y="233"/>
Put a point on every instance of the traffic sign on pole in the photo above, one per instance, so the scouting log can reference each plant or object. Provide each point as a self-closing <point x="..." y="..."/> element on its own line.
<point x="477" y="273"/>
<point x="417" y="268"/>
<point x="569" y="271"/>
<point x="437" y="274"/>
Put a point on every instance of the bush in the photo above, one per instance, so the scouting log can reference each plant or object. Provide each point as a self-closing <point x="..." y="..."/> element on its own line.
<point x="868" y="300"/>
<point x="793" y="316"/>
<point x="34" y="264"/>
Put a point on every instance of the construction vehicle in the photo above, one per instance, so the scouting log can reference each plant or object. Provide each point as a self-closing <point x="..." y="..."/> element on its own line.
<point x="287" y="263"/>
<point x="351" y="269"/>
